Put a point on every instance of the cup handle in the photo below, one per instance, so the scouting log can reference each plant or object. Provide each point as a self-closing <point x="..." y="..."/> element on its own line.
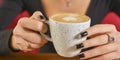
<point x="44" y="35"/>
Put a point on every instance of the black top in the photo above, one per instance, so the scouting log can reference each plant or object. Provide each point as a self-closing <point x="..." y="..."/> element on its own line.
<point x="9" y="9"/>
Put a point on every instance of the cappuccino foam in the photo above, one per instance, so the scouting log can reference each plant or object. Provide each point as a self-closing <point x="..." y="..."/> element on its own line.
<point x="70" y="18"/>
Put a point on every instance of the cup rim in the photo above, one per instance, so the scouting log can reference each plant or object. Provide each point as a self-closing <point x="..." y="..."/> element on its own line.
<point x="51" y="18"/>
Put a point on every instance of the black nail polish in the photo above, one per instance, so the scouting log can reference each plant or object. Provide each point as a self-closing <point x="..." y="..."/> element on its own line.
<point x="41" y="17"/>
<point x="80" y="45"/>
<point x="84" y="34"/>
<point x="88" y="38"/>
<point x="86" y="49"/>
<point x="82" y="50"/>
<point x="81" y="55"/>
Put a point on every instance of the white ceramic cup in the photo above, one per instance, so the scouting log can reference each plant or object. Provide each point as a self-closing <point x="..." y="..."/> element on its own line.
<point x="62" y="35"/>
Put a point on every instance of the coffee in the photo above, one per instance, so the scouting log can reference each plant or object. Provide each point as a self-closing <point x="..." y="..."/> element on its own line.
<point x="70" y="18"/>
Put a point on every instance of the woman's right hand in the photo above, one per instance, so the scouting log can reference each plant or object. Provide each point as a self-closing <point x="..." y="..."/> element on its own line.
<point x="26" y="35"/>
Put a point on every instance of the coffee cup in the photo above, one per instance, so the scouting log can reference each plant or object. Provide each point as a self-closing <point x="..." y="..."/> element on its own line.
<point x="63" y="28"/>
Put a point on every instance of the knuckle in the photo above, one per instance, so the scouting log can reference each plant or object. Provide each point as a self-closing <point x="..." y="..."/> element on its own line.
<point x="22" y="20"/>
<point x="105" y="39"/>
<point x="39" y="26"/>
<point x="16" y="32"/>
<point x="113" y="27"/>
<point x="37" y="12"/>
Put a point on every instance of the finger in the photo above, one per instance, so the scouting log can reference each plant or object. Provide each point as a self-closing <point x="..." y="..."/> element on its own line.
<point x="98" y="40"/>
<point x="30" y="24"/>
<point x="109" y="56"/>
<point x="22" y="44"/>
<point x="101" y="29"/>
<point x="31" y="36"/>
<point x="26" y="46"/>
<point x="96" y="30"/>
<point x="99" y="51"/>
<point x="23" y="48"/>
<point x="35" y="46"/>
<point x="37" y="16"/>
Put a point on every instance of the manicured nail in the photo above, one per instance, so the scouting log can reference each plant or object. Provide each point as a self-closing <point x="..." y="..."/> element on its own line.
<point x="42" y="17"/>
<point x="86" y="49"/>
<point x="81" y="55"/>
<point x="88" y="38"/>
<point x="85" y="33"/>
<point x="82" y="50"/>
<point x="80" y="45"/>
<point x="80" y="35"/>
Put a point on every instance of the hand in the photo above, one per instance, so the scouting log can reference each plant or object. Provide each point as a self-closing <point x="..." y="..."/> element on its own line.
<point x="99" y="38"/>
<point x="26" y="35"/>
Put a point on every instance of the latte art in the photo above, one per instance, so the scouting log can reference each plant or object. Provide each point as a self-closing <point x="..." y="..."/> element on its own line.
<point x="70" y="18"/>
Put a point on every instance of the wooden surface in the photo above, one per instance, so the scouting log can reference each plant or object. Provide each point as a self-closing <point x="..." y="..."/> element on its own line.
<point x="40" y="56"/>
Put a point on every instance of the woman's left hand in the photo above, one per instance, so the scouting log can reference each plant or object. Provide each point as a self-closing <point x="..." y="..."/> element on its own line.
<point x="106" y="42"/>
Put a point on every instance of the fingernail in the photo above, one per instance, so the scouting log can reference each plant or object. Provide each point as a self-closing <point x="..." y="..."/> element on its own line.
<point x="85" y="33"/>
<point x="81" y="55"/>
<point x="88" y="38"/>
<point x="80" y="45"/>
<point x="86" y="49"/>
<point x="42" y="17"/>
<point x="82" y="34"/>
<point x="82" y="50"/>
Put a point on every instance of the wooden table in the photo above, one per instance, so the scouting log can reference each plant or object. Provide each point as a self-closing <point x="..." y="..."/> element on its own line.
<point x="40" y="56"/>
